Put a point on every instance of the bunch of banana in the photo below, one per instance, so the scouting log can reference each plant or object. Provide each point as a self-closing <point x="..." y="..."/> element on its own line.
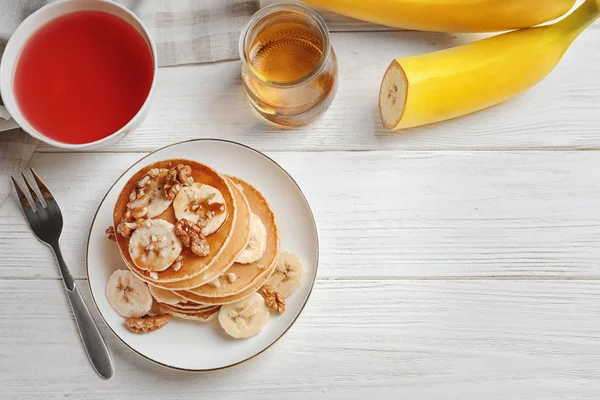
<point x="433" y="87"/>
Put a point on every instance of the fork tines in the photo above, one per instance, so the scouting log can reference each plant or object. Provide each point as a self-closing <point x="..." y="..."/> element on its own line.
<point x="39" y="185"/>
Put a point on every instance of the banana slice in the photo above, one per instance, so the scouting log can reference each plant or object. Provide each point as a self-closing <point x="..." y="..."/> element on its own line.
<point x="288" y="274"/>
<point x="244" y="318"/>
<point x="165" y="296"/>
<point x="201" y="204"/>
<point x="149" y="194"/>
<point x="257" y="245"/>
<point x="128" y="295"/>
<point x="154" y="246"/>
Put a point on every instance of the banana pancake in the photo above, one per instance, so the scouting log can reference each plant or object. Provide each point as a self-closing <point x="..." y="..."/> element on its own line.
<point x="188" y="305"/>
<point x="202" y="316"/>
<point x="151" y="195"/>
<point x="187" y="310"/>
<point x="263" y="247"/>
<point x="190" y="296"/>
<point x="164" y="296"/>
<point x="238" y="242"/>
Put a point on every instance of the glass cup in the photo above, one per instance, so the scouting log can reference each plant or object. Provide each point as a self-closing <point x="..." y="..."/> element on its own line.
<point x="289" y="68"/>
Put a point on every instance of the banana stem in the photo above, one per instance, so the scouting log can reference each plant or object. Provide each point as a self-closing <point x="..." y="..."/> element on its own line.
<point x="580" y="19"/>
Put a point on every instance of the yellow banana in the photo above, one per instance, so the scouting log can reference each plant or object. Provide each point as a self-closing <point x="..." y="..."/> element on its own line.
<point x="445" y="84"/>
<point x="450" y="15"/>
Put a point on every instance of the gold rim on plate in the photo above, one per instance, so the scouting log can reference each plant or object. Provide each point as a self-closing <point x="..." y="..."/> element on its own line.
<point x="312" y="284"/>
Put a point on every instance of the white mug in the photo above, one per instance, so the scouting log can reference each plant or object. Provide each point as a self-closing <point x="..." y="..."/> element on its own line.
<point x="29" y="26"/>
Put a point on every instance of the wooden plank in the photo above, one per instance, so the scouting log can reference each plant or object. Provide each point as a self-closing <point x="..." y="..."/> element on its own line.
<point x="208" y="101"/>
<point x="423" y="339"/>
<point x="381" y="214"/>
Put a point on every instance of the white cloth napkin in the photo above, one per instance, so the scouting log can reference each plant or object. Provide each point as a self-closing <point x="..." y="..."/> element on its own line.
<point x="3" y="113"/>
<point x="185" y="32"/>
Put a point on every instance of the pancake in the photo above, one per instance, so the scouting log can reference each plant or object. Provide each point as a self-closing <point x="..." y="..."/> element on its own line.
<point x="248" y="274"/>
<point x="202" y="316"/>
<point x="164" y="296"/>
<point x="188" y="305"/>
<point x="236" y="245"/>
<point x="193" y="265"/>
<point x="186" y="310"/>
<point x="229" y="299"/>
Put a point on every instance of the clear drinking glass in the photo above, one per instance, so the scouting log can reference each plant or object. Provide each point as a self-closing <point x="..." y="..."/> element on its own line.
<point x="289" y="68"/>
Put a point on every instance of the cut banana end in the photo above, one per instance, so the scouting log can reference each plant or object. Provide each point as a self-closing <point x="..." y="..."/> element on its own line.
<point x="257" y="244"/>
<point x="392" y="95"/>
<point x="288" y="274"/>
<point x="165" y="296"/>
<point x="128" y="295"/>
<point x="244" y="318"/>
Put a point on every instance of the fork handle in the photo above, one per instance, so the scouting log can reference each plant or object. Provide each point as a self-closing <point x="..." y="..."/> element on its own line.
<point x="93" y="342"/>
<point x="64" y="270"/>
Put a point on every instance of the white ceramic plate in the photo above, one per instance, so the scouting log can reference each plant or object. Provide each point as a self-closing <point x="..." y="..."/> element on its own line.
<point x="195" y="346"/>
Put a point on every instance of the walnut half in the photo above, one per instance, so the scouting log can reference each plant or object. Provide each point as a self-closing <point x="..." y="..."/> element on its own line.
<point x="147" y="323"/>
<point x="178" y="263"/>
<point x="177" y="177"/>
<point x="132" y="220"/>
<point x="125" y="228"/>
<point x="274" y="300"/>
<point x="110" y="231"/>
<point x="191" y="236"/>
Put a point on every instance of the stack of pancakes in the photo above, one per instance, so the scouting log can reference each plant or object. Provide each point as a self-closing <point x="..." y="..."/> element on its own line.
<point x="195" y="286"/>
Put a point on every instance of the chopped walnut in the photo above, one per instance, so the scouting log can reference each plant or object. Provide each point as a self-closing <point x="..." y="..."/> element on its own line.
<point x="126" y="228"/>
<point x="215" y="283"/>
<point x="139" y="213"/>
<point x="260" y="266"/>
<point x="147" y="323"/>
<point x="110" y="231"/>
<point x="153" y="173"/>
<point x="145" y="189"/>
<point x="231" y="277"/>
<point x="177" y="178"/>
<point x="131" y="221"/>
<point x="144" y="181"/>
<point x="153" y="275"/>
<point x="155" y="245"/>
<point x="274" y="300"/>
<point x="191" y="236"/>
<point x="178" y="263"/>
<point x="171" y="190"/>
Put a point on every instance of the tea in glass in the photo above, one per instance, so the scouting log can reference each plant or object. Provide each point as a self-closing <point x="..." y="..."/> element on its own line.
<point x="289" y="68"/>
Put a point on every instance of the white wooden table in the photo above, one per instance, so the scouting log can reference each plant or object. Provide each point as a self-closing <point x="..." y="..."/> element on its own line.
<point x="458" y="261"/>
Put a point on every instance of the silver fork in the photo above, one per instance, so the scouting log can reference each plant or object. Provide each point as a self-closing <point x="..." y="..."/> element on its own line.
<point x="46" y="222"/>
